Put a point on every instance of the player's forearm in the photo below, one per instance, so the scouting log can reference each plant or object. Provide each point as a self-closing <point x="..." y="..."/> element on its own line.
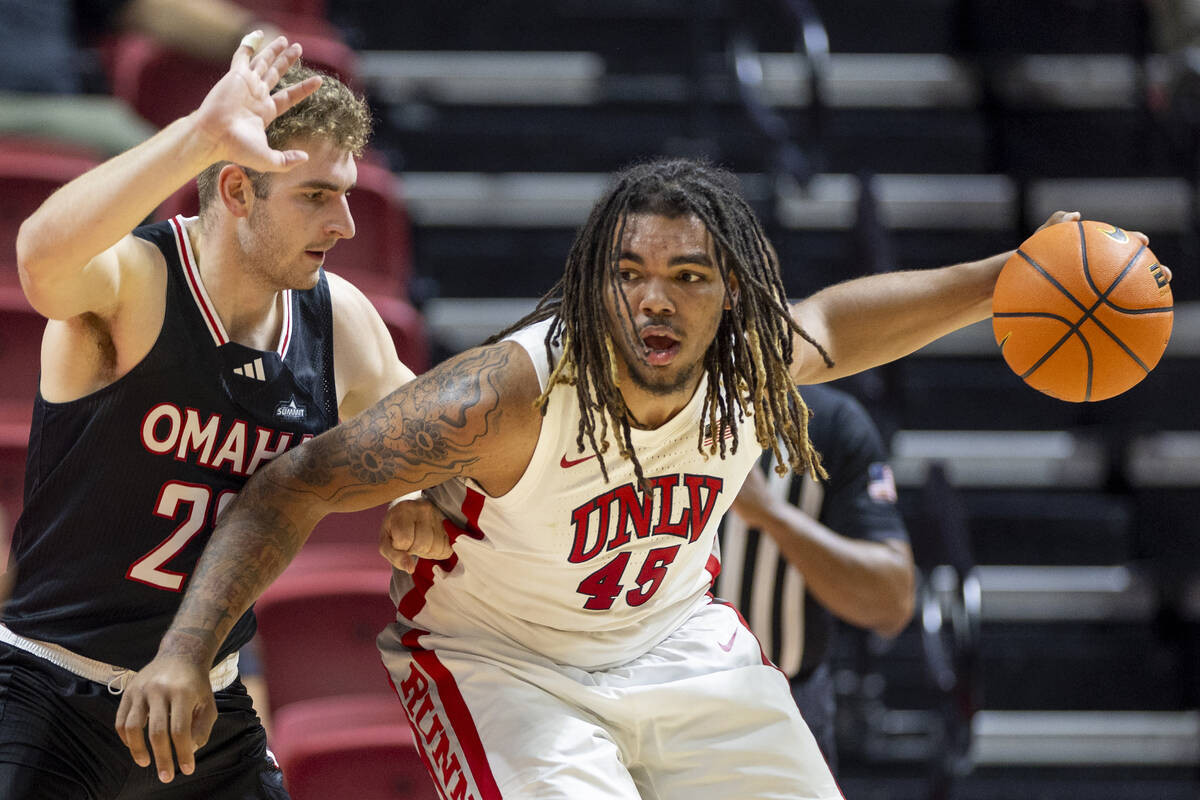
<point x="867" y="584"/>
<point x="876" y="319"/>
<point x="258" y="535"/>
<point x="91" y="213"/>
<point x="364" y="462"/>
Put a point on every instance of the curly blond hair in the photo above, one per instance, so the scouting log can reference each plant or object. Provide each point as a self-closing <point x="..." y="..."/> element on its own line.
<point x="333" y="112"/>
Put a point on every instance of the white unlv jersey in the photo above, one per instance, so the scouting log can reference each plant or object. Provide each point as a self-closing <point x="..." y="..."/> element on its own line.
<point x="587" y="573"/>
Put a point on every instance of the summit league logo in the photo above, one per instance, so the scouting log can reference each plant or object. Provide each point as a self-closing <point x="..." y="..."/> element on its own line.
<point x="288" y="409"/>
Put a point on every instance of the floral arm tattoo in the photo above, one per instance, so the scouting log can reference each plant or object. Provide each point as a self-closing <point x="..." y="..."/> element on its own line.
<point x="420" y="435"/>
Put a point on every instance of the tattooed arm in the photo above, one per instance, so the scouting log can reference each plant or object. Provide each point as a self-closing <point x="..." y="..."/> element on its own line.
<point x="473" y="416"/>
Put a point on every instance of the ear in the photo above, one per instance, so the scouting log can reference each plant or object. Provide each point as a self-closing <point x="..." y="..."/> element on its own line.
<point x="733" y="293"/>
<point x="235" y="190"/>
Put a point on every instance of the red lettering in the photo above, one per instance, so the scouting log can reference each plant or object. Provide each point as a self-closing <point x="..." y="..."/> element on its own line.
<point x="460" y="789"/>
<point x="414" y="685"/>
<point x="418" y="712"/>
<point x="603" y="585"/>
<point x="700" y="514"/>
<point x="666" y="485"/>
<point x="582" y="517"/>
<point x="631" y="508"/>
<point x="446" y="761"/>
<point x="436" y="730"/>
<point x="654" y="571"/>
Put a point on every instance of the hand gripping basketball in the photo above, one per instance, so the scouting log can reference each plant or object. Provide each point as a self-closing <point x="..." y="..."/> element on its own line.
<point x="1083" y="310"/>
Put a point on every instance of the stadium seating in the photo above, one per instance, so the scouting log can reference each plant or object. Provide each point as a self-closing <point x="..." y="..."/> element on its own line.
<point x="20" y="348"/>
<point x="304" y="8"/>
<point x="360" y="746"/>
<point x="30" y="171"/>
<point x="378" y="258"/>
<point x="163" y="85"/>
<point x="317" y="630"/>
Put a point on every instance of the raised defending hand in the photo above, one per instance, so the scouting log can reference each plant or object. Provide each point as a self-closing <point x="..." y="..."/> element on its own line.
<point x="237" y="110"/>
<point x="170" y="701"/>
<point x="412" y="529"/>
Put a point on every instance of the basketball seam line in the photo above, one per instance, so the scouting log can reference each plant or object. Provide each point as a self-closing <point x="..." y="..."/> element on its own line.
<point x="1072" y="330"/>
<point x="1102" y="298"/>
<point x="1087" y="274"/>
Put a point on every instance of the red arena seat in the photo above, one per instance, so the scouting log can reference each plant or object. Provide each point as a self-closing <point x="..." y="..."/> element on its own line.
<point x="338" y="612"/>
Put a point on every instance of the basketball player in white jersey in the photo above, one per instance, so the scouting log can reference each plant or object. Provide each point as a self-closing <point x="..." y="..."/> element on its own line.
<point x="569" y="647"/>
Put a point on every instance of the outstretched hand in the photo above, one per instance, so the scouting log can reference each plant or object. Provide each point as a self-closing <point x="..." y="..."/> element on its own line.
<point x="170" y="702"/>
<point x="1075" y="216"/>
<point x="1057" y="217"/>
<point x="237" y="110"/>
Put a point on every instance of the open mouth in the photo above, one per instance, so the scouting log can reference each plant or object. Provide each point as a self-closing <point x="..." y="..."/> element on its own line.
<point x="660" y="349"/>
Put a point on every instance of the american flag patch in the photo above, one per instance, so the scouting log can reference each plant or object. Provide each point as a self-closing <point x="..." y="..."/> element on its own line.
<point x="708" y="437"/>
<point x="881" y="483"/>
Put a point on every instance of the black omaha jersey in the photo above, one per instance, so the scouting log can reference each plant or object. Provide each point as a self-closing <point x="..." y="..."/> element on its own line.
<point x="858" y="501"/>
<point x="122" y="486"/>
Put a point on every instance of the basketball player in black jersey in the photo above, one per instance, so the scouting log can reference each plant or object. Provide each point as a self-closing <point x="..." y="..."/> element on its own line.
<point x="178" y="358"/>
<point x="799" y="551"/>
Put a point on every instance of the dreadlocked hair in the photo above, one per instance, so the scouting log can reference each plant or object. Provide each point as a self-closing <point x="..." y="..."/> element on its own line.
<point x="747" y="363"/>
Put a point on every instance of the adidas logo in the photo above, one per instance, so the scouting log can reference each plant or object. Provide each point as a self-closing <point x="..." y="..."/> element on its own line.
<point x="251" y="369"/>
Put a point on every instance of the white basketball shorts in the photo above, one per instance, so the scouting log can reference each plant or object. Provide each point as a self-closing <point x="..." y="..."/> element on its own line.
<point x="702" y="716"/>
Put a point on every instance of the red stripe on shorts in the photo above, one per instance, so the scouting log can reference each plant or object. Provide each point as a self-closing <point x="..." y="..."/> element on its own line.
<point x="420" y="750"/>
<point x="460" y="722"/>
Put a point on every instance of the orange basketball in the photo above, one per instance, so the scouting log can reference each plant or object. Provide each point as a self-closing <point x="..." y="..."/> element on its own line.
<point x="1082" y="311"/>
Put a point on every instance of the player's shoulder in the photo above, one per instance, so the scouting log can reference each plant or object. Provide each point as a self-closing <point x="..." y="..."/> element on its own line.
<point x="353" y="312"/>
<point x="345" y="294"/>
<point x="144" y="250"/>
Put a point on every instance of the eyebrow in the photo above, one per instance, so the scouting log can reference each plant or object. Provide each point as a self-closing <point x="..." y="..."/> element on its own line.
<point x="698" y="258"/>
<point x="329" y="186"/>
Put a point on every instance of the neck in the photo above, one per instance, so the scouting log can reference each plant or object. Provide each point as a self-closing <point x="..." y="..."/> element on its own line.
<point x="247" y="306"/>
<point x="649" y="410"/>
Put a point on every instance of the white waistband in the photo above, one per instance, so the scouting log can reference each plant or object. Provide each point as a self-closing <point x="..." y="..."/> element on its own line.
<point x="115" y="678"/>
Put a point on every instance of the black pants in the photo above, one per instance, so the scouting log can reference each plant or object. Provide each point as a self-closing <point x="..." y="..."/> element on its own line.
<point x="57" y="742"/>
<point x="814" y="696"/>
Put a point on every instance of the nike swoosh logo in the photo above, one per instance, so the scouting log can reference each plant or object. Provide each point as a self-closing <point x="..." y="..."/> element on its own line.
<point x="1116" y="234"/>
<point x="728" y="645"/>
<point x="567" y="463"/>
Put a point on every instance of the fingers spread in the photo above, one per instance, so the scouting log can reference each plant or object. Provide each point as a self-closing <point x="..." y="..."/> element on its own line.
<point x="286" y="98"/>
<point x="246" y="48"/>
<point x="269" y="56"/>
<point x="288" y="159"/>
